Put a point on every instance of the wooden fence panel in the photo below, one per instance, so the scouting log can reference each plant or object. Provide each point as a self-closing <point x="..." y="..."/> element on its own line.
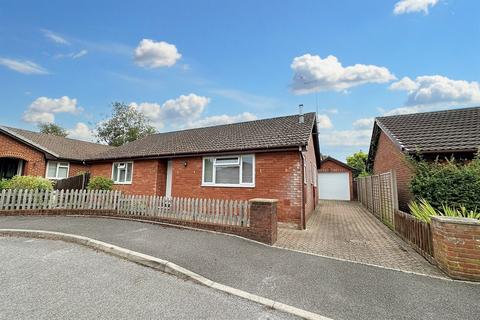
<point x="415" y="232"/>
<point x="378" y="193"/>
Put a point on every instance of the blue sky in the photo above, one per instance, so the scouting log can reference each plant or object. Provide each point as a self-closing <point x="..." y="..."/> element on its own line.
<point x="196" y="63"/>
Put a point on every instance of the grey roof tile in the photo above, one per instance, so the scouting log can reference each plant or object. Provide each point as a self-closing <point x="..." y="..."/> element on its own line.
<point x="440" y="131"/>
<point x="252" y="135"/>
<point x="64" y="148"/>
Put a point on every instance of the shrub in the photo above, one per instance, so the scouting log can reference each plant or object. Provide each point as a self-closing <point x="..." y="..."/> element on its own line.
<point x="28" y="182"/>
<point x="3" y="184"/>
<point x="448" y="183"/>
<point x="100" y="183"/>
<point x="424" y="211"/>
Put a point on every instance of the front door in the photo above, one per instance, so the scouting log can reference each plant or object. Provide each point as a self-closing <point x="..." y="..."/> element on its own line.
<point x="168" y="187"/>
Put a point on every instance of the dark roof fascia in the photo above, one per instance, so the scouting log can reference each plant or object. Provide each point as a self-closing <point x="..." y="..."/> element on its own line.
<point x="340" y="163"/>
<point x="390" y="135"/>
<point x="28" y="142"/>
<point x="198" y="154"/>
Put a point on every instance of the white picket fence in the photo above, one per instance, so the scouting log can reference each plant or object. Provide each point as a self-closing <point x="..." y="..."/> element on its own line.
<point x="224" y="212"/>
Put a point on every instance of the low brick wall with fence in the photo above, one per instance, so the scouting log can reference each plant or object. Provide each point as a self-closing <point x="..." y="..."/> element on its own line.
<point x="255" y="219"/>
<point x="456" y="246"/>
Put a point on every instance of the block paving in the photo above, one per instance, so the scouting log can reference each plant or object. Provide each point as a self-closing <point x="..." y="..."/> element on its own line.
<point x="346" y="230"/>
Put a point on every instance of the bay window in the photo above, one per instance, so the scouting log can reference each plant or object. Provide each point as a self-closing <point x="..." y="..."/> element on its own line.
<point x="229" y="171"/>
<point x="57" y="170"/>
<point x="122" y="172"/>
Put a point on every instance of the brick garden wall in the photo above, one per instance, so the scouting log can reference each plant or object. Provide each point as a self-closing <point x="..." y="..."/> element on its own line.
<point x="263" y="219"/>
<point x="456" y="246"/>
<point x="331" y="166"/>
<point x="389" y="157"/>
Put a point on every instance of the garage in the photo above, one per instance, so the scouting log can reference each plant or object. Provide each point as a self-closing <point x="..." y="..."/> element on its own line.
<point x="334" y="180"/>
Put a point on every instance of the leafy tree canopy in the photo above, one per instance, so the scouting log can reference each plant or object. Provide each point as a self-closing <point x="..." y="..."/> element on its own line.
<point x="125" y="125"/>
<point x="52" y="128"/>
<point x="358" y="161"/>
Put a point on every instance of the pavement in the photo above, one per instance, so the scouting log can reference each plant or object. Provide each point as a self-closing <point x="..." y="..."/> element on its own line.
<point x="346" y="230"/>
<point x="45" y="279"/>
<point x="329" y="287"/>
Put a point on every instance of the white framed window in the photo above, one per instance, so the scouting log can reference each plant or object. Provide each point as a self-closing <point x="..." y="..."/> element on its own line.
<point x="305" y="172"/>
<point x="314" y="174"/>
<point x="229" y="171"/>
<point x="57" y="170"/>
<point x="122" y="172"/>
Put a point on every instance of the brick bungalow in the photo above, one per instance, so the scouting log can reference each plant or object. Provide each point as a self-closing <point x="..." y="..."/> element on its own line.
<point x="271" y="158"/>
<point x="28" y="153"/>
<point x="431" y="135"/>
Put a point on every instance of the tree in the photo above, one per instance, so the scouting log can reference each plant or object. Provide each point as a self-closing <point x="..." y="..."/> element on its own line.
<point x="358" y="161"/>
<point x="52" y="128"/>
<point x="125" y="125"/>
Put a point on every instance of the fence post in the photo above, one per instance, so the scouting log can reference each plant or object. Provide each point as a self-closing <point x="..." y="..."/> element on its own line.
<point x="394" y="189"/>
<point x="263" y="220"/>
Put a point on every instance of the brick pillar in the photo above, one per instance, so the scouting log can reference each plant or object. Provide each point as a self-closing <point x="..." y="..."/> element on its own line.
<point x="456" y="246"/>
<point x="263" y="220"/>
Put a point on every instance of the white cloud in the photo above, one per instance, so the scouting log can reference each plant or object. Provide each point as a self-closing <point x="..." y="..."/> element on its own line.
<point x="81" y="132"/>
<point x="52" y="36"/>
<point x="43" y="109"/>
<point x="346" y="138"/>
<point x="405" y="84"/>
<point x="72" y="55"/>
<point x="176" y="112"/>
<point x="427" y="93"/>
<point x="221" y="119"/>
<point x="313" y="74"/>
<point x="408" y="6"/>
<point x="151" y="54"/>
<point x="26" y="67"/>
<point x="186" y="111"/>
<point x="324" y="122"/>
<point x="364" y="123"/>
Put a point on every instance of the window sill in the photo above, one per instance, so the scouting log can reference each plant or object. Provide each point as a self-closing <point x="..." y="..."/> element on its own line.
<point x="122" y="183"/>
<point x="49" y="178"/>
<point x="228" y="185"/>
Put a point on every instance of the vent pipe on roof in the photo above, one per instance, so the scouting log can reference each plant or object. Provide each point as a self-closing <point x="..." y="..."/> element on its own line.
<point x="301" y="117"/>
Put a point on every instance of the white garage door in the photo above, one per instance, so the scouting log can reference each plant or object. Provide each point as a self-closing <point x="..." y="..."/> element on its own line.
<point x="334" y="186"/>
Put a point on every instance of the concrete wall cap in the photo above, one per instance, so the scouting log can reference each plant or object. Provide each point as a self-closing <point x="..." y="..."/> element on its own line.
<point x="263" y="200"/>
<point x="456" y="220"/>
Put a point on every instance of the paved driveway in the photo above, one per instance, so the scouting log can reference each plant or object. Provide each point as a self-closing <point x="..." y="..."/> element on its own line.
<point x="345" y="230"/>
<point x="332" y="288"/>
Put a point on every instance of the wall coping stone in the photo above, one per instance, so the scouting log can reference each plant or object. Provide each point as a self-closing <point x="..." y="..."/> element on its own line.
<point x="457" y="220"/>
<point x="263" y="200"/>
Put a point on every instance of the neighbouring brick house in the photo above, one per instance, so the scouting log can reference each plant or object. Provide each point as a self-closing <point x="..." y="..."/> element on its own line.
<point x="431" y="135"/>
<point x="24" y="152"/>
<point x="271" y="158"/>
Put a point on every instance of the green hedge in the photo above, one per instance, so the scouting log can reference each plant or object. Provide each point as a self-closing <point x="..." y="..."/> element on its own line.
<point x="449" y="183"/>
<point x="100" y="183"/>
<point x="27" y="182"/>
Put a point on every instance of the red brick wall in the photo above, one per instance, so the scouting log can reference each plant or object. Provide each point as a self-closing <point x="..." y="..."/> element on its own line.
<point x="456" y="247"/>
<point x="35" y="160"/>
<point x="144" y="180"/>
<point x="388" y="157"/>
<point x="311" y="196"/>
<point x="77" y="168"/>
<point x="277" y="176"/>
<point x="331" y="166"/>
